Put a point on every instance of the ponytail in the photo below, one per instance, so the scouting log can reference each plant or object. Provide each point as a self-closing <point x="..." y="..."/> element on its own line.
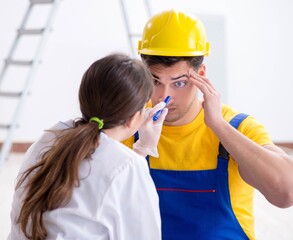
<point x="55" y="176"/>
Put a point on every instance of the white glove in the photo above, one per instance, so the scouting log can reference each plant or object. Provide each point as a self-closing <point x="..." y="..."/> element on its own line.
<point x="150" y="131"/>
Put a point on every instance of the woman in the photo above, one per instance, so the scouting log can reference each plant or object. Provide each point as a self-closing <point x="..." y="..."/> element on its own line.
<point x="78" y="181"/>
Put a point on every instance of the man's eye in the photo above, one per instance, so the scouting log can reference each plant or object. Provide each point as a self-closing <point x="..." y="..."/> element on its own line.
<point x="180" y="84"/>
<point x="156" y="82"/>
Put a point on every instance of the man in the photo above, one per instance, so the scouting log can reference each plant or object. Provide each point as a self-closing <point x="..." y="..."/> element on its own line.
<point x="210" y="157"/>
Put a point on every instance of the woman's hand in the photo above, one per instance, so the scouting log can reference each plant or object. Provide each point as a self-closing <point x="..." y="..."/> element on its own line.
<point x="150" y="131"/>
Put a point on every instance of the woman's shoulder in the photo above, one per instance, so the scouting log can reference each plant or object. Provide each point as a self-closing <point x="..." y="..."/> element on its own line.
<point x="115" y="156"/>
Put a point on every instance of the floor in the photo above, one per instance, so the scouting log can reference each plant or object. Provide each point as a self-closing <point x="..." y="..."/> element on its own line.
<point x="271" y="222"/>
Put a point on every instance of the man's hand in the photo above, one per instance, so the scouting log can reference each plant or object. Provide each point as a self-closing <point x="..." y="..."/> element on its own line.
<point x="211" y="100"/>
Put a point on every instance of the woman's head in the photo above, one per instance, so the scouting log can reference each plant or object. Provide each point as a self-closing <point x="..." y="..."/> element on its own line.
<point x="114" y="88"/>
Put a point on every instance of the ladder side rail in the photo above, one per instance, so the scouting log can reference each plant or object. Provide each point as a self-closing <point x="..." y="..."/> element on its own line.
<point x="15" y="42"/>
<point x="39" y="51"/>
<point x="148" y="8"/>
<point x="125" y="18"/>
<point x="8" y="141"/>
<point x="127" y="24"/>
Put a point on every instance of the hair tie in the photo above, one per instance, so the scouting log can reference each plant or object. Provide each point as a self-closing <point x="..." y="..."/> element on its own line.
<point x="100" y="122"/>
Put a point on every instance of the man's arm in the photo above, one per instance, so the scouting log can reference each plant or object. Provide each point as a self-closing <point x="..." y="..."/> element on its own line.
<point x="267" y="168"/>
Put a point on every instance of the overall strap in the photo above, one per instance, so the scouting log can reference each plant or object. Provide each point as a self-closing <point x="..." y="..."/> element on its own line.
<point x="136" y="137"/>
<point x="235" y="122"/>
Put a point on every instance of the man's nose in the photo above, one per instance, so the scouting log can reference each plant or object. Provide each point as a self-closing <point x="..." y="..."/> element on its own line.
<point x="165" y="93"/>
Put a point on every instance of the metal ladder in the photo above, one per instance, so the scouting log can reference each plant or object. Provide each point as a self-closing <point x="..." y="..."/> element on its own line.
<point x="32" y="65"/>
<point x="131" y="34"/>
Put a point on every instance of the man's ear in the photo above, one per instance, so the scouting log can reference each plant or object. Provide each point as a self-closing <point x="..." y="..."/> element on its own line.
<point x="131" y="121"/>
<point x="202" y="70"/>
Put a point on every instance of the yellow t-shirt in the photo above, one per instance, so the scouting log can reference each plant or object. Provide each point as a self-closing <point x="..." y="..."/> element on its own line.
<point x="195" y="147"/>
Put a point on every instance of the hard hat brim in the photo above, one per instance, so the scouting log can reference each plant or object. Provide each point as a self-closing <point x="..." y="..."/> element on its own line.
<point x="172" y="53"/>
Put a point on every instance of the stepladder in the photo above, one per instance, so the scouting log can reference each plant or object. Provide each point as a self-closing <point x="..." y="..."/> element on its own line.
<point x="20" y="66"/>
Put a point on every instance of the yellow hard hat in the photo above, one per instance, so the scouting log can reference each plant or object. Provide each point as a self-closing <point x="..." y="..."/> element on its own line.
<point x="174" y="33"/>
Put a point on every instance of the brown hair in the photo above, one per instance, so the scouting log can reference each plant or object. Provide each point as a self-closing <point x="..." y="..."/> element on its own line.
<point x="113" y="88"/>
<point x="168" y="61"/>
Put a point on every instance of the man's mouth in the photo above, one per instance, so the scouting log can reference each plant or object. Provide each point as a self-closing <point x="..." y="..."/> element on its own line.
<point x="171" y="109"/>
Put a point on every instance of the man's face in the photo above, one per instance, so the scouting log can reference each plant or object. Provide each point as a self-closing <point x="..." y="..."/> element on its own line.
<point x="173" y="81"/>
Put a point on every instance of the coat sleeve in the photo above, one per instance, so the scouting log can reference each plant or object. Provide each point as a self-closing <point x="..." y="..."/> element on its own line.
<point x="130" y="208"/>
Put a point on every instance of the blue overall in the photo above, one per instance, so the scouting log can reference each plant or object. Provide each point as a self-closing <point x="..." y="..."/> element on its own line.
<point x="196" y="204"/>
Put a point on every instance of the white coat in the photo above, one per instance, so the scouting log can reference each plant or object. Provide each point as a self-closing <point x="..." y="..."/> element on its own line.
<point x="116" y="198"/>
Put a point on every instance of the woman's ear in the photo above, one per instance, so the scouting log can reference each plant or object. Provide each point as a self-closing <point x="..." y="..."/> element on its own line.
<point x="133" y="120"/>
<point x="202" y="70"/>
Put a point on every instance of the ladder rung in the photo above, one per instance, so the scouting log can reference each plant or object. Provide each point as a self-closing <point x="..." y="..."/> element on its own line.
<point x="10" y="94"/>
<point x="31" y="31"/>
<point x="19" y="62"/>
<point x="135" y="35"/>
<point x="4" y="126"/>
<point x="41" y="1"/>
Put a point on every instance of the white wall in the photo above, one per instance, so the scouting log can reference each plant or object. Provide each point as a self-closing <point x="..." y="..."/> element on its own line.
<point x="251" y="60"/>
